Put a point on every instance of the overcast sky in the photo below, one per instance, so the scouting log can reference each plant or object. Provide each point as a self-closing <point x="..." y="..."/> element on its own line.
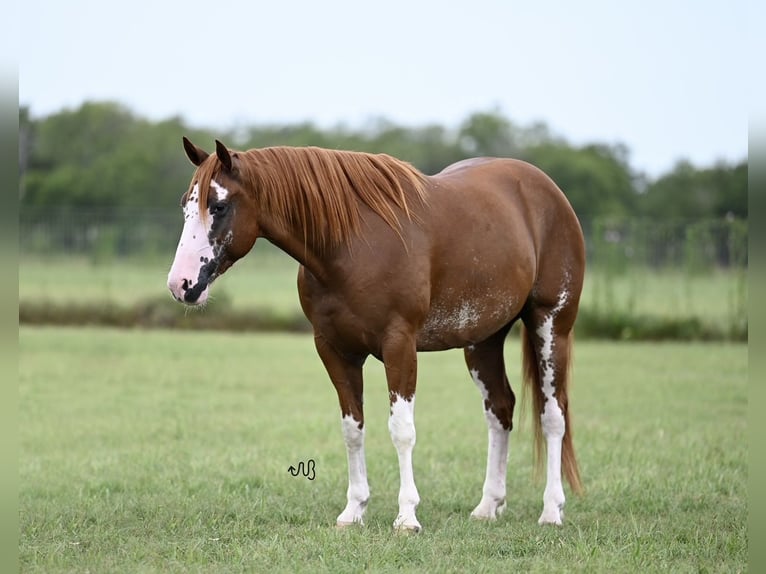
<point x="667" y="78"/>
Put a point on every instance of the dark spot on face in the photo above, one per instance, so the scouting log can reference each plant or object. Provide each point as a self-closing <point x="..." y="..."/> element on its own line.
<point x="207" y="273"/>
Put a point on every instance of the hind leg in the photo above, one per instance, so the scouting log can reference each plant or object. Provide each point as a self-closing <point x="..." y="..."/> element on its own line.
<point x="487" y="368"/>
<point x="553" y="329"/>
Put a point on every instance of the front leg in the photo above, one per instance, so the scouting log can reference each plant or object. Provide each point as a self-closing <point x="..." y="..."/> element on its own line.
<point x="346" y="376"/>
<point x="400" y="360"/>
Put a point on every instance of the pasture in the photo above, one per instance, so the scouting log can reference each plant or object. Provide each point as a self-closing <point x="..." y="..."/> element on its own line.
<point x="159" y="451"/>
<point x="266" y="280"/>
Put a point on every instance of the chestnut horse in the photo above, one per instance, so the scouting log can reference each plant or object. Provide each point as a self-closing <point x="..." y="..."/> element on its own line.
<point x="394" y="262"/>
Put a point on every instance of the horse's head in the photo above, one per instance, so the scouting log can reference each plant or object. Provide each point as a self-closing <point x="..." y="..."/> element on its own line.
<point x="219" y="224"/>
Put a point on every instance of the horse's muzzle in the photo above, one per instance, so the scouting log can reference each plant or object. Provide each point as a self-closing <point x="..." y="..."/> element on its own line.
<point x="185" y="292"/>
<point x="190" y="292"/>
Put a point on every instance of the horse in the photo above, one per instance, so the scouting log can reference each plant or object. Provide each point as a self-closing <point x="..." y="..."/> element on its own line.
<point x="394" y="262"/>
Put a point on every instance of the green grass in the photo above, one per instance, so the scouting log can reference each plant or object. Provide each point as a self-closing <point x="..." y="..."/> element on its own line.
<point x="265" y="279"/>
<point x="157" y="451"/>
<point x="715" y="296"/>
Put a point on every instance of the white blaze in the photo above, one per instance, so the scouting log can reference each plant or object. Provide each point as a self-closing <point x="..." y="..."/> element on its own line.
<point x="194" y="248"/>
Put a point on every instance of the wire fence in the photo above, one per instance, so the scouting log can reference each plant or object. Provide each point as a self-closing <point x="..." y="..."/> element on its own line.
<point x="613" y="244"/>
<point x="645" y="278"/>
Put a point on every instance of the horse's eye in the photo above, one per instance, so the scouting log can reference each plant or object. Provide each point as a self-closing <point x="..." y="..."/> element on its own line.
<point x="220" y="208"/>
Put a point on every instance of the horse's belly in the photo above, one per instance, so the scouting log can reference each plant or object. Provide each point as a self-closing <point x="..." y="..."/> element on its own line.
<point x="449" y="326"/>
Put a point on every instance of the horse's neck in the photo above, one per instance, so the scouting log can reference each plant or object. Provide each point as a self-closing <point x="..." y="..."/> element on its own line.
<point x="299" y="248"/>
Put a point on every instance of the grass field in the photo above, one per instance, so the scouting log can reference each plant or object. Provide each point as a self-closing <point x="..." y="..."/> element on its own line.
<point x="168" y="452"/>
<point x="267" y="279"/>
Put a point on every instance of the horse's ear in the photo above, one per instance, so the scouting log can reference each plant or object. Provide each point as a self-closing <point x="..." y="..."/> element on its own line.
<point x="223" y="154"/>
<point x="195" y="154"/>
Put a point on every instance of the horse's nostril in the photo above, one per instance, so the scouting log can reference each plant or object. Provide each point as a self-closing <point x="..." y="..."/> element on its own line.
<point x="190" y="297"/>
<point x="185" y="285"/>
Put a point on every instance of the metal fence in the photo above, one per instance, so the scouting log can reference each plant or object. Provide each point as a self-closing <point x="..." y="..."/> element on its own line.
<point x="612" y="243"/>
<point x="100" y="234"/>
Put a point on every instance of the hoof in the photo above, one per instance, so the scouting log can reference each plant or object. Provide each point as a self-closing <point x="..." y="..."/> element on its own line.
<point x="340" y="525"/>
<point x="488" y="511"/>
<point x="483" y="518"/>
<point x="407" y="525"/>
<point x="552" y="516"/>
<point x="407" y="530"/>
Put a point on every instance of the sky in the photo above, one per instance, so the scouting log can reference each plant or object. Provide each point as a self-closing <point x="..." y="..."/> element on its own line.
<point x="670" y="79"/>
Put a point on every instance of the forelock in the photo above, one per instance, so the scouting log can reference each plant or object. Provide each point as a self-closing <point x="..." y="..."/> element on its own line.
<point x="205" y="173"/>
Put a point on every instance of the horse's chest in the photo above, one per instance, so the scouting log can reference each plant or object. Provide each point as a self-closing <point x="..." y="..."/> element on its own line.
<point x="350" y="326"/>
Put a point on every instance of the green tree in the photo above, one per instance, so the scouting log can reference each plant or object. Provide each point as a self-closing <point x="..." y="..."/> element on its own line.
<point x="488" y="134"/>
<point x="691" y="193"/>
<point x="596" y="179"/>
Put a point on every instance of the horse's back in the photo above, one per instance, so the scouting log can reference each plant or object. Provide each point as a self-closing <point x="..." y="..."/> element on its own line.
<point x="490" y="233"/>
<point x="501" y="230"/>
<point x="518" y="201"/>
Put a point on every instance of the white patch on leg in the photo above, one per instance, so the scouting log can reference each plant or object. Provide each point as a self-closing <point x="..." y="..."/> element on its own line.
<point x="492" y="501"/>
<point x="552" y="421"/>
<point x="358" y="493"/>
<point x="401" y="425"/>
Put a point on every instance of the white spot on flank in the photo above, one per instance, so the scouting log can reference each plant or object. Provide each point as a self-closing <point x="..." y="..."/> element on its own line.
<point x="467" y="315"/>
<point x="464" y="317"/>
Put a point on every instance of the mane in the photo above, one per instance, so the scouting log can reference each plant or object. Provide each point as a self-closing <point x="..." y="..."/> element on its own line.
<point x="320" y="191"/>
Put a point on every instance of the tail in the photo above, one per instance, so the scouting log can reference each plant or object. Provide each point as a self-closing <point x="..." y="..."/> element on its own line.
<point x="533" y="385"/>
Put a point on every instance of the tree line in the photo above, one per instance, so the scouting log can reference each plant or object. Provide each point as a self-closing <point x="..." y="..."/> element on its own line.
<point x="103" y="156"/>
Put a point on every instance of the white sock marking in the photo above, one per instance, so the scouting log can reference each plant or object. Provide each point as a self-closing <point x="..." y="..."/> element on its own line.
<point x="552" y="420"/>
<point x="401" y="425"/>
<point x="358" y="493"/>
<point x="492" y="501"/>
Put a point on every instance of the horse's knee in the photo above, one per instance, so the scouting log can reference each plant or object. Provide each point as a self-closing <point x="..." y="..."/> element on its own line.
<point x="401" y="422"/>
<point x="353" y="432"/>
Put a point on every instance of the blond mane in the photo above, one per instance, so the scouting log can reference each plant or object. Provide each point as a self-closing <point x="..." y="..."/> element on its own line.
<point x="320" y="191"/>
